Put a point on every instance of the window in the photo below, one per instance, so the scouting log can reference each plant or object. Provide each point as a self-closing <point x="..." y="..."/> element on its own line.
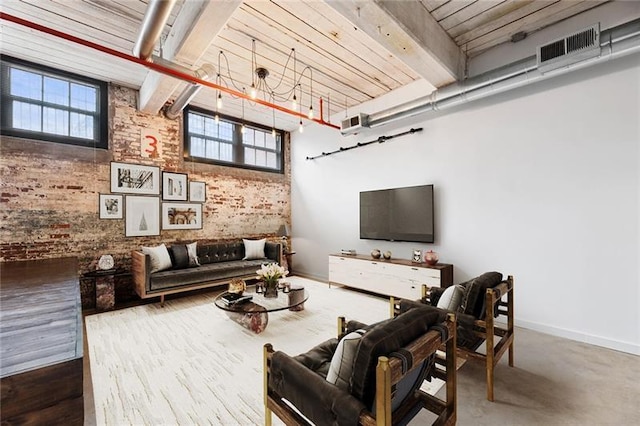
<point x="223" y="142"/>
<point x="47" y="104"/>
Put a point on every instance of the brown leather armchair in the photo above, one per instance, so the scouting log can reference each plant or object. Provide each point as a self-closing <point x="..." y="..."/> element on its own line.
<point x="391" y="359"/>
<point x="482" y="303"/>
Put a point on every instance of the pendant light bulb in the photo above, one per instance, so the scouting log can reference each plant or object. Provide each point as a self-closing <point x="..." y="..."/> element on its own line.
<point x="217" y="118"/>
<point x="219" y="101"/>
<point x="294" y="103"/>
<point x="301" y="129"/>
<point x="242" y="129"/>
<point x="253" y="91"/>
<point x="310" y="112"/>
<point x="273" y="133"/>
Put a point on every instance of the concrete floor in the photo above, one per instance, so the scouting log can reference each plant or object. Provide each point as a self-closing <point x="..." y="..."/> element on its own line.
<point x="555" y="381"/>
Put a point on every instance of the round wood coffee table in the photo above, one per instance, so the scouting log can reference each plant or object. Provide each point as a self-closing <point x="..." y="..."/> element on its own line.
<point x="254" y="314"/>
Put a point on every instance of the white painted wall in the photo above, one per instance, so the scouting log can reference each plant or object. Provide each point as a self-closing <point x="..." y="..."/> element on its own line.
<point x="541" y="183"/>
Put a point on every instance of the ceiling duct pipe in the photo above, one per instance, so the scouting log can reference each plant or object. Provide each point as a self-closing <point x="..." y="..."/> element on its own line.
<point x="155" y="18"/>
<point x="204" y="73"/>
<point x="615" y="42"/>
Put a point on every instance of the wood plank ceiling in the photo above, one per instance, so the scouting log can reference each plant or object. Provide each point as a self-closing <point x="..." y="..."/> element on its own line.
<point x="350" y="64"/>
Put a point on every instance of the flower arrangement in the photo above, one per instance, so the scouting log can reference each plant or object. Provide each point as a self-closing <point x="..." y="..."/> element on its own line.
<point x="271" y="272"/>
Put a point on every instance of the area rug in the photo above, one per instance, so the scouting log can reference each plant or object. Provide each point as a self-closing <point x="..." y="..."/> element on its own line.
<point x="187" y="363"/>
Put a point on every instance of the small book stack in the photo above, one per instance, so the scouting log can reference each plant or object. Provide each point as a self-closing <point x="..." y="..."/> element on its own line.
<point x="230" y="299"/>
<point x="348" y="252"/>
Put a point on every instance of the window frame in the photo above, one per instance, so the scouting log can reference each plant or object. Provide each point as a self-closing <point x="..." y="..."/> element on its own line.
<point x="101" y="115"/>
<point x="238" y="144"/>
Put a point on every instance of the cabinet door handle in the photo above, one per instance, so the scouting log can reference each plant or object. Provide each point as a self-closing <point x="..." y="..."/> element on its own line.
<point x="373" y="263"/>
<point x="415" y="269"/>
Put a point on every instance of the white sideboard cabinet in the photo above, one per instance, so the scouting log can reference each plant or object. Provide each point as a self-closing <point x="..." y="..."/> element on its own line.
<point x="395" y="277"/>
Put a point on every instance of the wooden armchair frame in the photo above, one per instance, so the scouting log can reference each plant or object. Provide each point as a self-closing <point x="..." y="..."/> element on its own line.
<point x="388" y="374"/>
<point x="499" y="340"/>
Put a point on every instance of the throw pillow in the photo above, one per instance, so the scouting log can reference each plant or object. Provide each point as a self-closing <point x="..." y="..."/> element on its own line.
<point x="192" y="251"/>
<point x="254" y="249"/>
<point x="160" y="259"/>
<point x="343" y="358"/>
<point x="452" y="298"/>
<point x="179" y="256"/>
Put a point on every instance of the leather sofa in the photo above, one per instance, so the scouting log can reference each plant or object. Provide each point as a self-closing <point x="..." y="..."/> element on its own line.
<point x="220" y="262"/>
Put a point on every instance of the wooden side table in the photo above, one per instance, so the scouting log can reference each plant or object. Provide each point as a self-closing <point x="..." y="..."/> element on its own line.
<point x="287" y="257"/>
<point x="104" y="282"/>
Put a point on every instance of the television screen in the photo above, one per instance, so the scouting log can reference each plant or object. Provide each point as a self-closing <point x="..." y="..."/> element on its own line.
<point x="398" y="214"/>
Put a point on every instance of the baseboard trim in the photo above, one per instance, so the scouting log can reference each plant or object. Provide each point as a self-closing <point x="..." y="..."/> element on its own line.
<point x="617" y="345"/>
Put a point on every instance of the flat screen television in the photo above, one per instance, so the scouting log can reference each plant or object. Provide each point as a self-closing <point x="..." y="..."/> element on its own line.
<point x="398" y="214"/>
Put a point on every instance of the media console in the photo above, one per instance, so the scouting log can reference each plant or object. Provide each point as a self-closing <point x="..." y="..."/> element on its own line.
<point x="395" y="277"/>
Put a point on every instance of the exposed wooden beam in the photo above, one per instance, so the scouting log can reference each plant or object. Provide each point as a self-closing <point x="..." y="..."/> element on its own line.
<point x="192" y="32"/>
<point x="408" y="31"/>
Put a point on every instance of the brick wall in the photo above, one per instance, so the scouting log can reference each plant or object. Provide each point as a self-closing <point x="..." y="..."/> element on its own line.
<point x="49" y="195"/>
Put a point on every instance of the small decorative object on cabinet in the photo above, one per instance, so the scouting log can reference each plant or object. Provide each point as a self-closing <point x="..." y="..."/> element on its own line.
<point x="431" y="257"/>
<point x="417" y="255"/>
<point x="387" y="255"/>
<point x="375" y="253"/>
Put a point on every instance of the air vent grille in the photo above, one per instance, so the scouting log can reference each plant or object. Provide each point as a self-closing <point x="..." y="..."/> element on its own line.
<point x="352" y="125"/>
<point x="574" y="48"/>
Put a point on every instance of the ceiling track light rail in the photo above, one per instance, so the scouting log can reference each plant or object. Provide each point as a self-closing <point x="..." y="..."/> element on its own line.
<point x="381" y="139"/>
<point x="164" y="68"/>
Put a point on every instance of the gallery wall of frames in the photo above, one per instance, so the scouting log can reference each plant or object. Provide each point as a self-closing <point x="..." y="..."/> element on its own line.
<point x="151" y="200"/>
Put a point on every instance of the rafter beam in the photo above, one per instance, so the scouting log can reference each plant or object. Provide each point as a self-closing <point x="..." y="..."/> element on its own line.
<point x="191" y="34"/>
<point x="409" y="32"/>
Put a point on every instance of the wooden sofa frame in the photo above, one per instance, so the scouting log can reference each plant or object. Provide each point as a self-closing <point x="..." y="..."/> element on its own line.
<point x="498" y="340"/>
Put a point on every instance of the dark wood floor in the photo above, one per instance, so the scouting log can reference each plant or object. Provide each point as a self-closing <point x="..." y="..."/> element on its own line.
<point x="41" y="343"/>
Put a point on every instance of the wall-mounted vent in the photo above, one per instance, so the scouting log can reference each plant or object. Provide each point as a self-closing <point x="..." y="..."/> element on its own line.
<point x="574" y="48"/>
<point x="351" y="125"/>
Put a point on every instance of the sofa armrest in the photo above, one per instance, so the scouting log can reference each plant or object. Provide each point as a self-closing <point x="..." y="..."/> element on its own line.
<point x="140" y="271"/>
<point x="320" y="401"/>
<point x="273" y="251"/>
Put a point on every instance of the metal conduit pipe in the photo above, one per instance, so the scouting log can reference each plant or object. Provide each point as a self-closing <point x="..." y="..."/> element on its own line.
<point x="615" y="42"/>
<point x="155" y="18"/>
<point x="204" y="73"/>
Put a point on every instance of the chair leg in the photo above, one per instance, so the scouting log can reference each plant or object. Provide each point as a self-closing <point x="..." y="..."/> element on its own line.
<point x="268" y="348"/>
<point x="510" y="321"/>
<point x="490" y="300"/>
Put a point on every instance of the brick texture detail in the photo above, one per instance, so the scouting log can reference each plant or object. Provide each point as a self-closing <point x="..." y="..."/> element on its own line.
<point x="49" y="195"/>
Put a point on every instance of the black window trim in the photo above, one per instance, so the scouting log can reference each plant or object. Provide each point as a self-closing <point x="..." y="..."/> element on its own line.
<point x="239" y="122"/>
<point x="102" y="141"/>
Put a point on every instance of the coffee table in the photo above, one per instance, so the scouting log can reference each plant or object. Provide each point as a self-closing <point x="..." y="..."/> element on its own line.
<point x="254" y="314"/>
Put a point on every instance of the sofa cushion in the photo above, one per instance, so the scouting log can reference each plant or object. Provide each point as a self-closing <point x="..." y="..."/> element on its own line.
<point x="318" y="359"/>
<point x="220" y="252"/>
<point x="254" y="249"/>
<point x="451" y="298"/>
<point x="384" y="338"/>
<point x="209" y="272"/>
<point x="192" y="251"/>
<point x="341" y="366"/>
<point x="179" y="256"/>
<point x="160" y="259"/>
<point x="476" y="288"/>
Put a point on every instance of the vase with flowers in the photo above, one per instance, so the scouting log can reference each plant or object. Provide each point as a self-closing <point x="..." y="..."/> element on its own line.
<point x="270" y="275"/>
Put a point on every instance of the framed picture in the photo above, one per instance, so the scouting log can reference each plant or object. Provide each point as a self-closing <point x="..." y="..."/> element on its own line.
<point x="111" y="206"/>
<point x="142" y="216"/>
<point x="417" y="256"/>
<point x="197" y="192"/>
<point x="135" y="179"/>
<point x="174" y="186"/>
<point x="181" y="216"/>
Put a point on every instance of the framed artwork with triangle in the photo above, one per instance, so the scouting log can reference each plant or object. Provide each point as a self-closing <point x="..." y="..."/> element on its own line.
<point x="142" y="216"/>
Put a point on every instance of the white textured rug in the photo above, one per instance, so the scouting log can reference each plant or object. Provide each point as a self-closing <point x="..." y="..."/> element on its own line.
<point x="188" y="363"/>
